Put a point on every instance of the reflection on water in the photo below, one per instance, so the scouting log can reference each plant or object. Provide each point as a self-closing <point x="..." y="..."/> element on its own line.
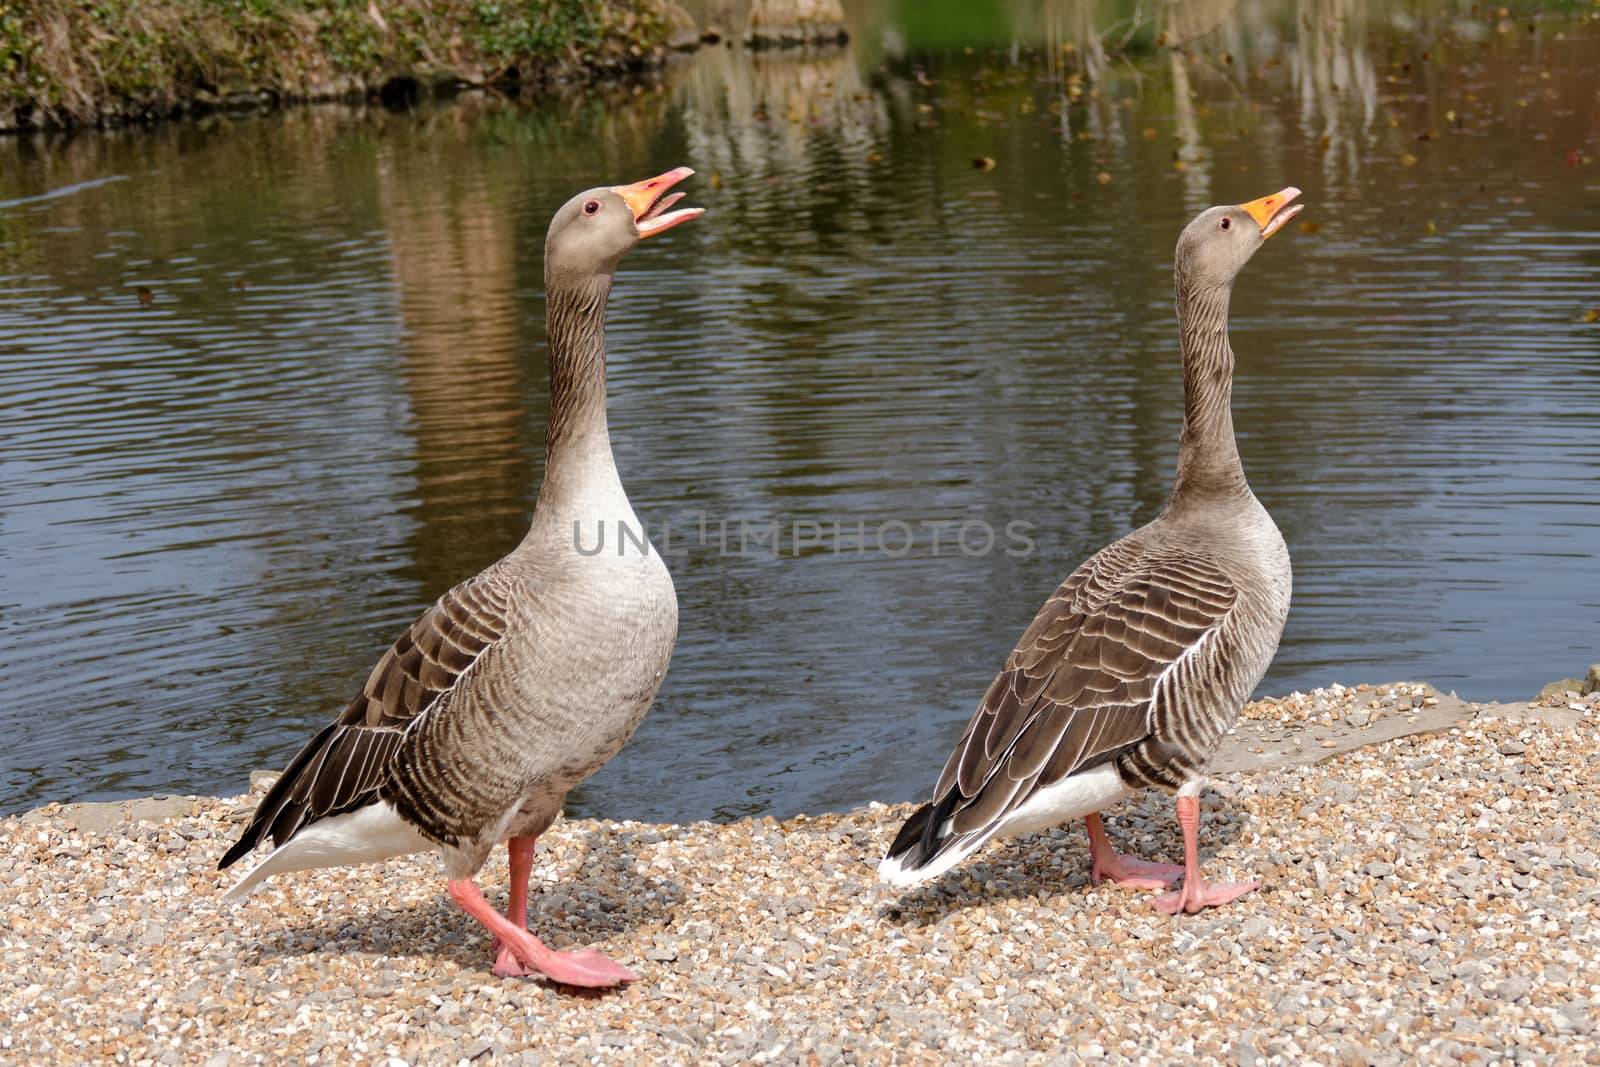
<point x="217" y="508"/>
<point x="457" y="275"/>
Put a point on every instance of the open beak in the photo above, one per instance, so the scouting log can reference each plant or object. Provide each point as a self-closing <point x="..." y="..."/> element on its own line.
<point x="1271" y="212"/>
<point x="648" y="200"/>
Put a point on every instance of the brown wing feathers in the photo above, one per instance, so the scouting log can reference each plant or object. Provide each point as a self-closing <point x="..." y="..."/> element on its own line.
<point x="343" y="766"/>
<point x="1078" y="688"/>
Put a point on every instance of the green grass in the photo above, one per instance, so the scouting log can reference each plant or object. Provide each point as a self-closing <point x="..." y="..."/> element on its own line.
<point x="67" y="62"/>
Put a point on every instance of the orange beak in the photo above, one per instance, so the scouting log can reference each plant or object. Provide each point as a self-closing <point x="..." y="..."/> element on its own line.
<point x="649" y="203"/>
<point x="1271" y="212"/>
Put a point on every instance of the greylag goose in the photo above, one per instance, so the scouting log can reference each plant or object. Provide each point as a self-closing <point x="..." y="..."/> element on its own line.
<point x="522" y="681"/>
<point x="1136" y="667"/>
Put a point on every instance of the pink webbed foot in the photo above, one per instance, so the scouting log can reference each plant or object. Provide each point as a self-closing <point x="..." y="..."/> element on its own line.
<point x="506" y="964"/>
<point x="1141" y="874"/>
<point x="587" y="968"/>
<point x="520" y="953"/>
<point x="1198" y="893"/>
<point x="1124" y="870"/>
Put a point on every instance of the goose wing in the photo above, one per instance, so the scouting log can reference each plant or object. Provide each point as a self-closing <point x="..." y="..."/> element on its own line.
<point x="1094" y="675"/>
<point x="343" y="766"/>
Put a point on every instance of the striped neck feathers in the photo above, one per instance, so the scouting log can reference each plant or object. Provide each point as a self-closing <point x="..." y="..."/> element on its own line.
<point x="577" y="441"/>
<point x="1208" y="454"/>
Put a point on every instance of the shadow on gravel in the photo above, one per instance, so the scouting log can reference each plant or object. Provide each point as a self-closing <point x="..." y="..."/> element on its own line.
<point x="1057" y="861"/>
<point x="606" y="897"/>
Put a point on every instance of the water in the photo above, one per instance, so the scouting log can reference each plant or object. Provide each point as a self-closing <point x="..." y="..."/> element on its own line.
<point x="217" y="509"/>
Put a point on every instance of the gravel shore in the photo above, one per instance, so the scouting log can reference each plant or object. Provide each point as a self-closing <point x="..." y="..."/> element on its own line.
<point x="1426" y="897"/>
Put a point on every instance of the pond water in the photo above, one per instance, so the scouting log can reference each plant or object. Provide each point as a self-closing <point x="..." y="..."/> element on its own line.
<point x="219" y="501"/>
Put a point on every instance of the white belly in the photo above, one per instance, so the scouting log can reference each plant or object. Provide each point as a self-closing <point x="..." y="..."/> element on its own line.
<point x="1073" y="797"/>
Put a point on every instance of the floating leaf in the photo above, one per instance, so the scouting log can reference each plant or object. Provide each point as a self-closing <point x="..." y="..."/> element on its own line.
<point x="1428" y="135"/>
<point x="1149" y="133"/>
<point x="1309" y="227"/>
<point x="1592" y="315"/>
<point x="146" y="297"/>
<point x="875" y="157"/>
<point x="1408" y="160"/>
<point x="983" y="163"/>
<point x="716" y="179"/>
<point x="1103" y="178"/>
<point x="1432" y="229"/>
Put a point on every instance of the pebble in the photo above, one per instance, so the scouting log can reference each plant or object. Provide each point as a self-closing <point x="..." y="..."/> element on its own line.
<point x="1429" y="899"/>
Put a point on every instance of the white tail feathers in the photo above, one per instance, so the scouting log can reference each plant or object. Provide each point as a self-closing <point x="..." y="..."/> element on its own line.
<point x="897" y="870"/>
<point x="1073" y="797"/>
<point x="375" y="832"/>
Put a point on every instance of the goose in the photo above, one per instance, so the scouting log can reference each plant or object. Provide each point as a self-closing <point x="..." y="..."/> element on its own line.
<point x="520" y="682"/>
<point x="1135" y="668"/>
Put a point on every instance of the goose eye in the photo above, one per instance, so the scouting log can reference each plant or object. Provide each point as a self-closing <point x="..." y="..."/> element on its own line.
<point x="1226" y="222"/>
<point x="591" y="206"/>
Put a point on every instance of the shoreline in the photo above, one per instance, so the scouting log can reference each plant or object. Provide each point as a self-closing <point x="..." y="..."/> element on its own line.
<point x="1255" y="744"/>
<point x="116" y="63"/>
<point x="128" y="62"/>
<point x="1431" y="873"/>
<point x="124" y="62"/>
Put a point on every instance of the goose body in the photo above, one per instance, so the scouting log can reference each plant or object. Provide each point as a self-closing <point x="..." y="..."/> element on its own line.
<point x="485" y="756"/>
<point x="1133" y="671"/>
<point x="523" y="680"/>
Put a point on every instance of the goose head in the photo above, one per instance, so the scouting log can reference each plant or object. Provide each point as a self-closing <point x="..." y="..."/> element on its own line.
<point x="1220" y="241"/>
<point x="593" y="231"/>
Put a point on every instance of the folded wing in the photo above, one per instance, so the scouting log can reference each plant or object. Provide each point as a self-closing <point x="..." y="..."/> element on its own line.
<point x="342" y="768"/>
<point x="1086" y="681"/>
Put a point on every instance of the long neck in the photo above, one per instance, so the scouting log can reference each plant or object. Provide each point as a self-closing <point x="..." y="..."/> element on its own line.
<point x="1208" y="455"/>
<point x="577" y="443"/>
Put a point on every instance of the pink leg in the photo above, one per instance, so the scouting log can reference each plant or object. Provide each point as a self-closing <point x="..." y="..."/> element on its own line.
<point x="1197" y="893"/>
<point x="520" y="850"/>
<point x="1124" y="870"/>
<point x="585" y="968"/>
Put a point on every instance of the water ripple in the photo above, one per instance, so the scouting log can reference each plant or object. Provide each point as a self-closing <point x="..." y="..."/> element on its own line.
<point x="217" y="506"/>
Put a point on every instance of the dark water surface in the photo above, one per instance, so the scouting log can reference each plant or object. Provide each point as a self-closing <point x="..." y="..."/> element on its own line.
<point x="217" y="509"/>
